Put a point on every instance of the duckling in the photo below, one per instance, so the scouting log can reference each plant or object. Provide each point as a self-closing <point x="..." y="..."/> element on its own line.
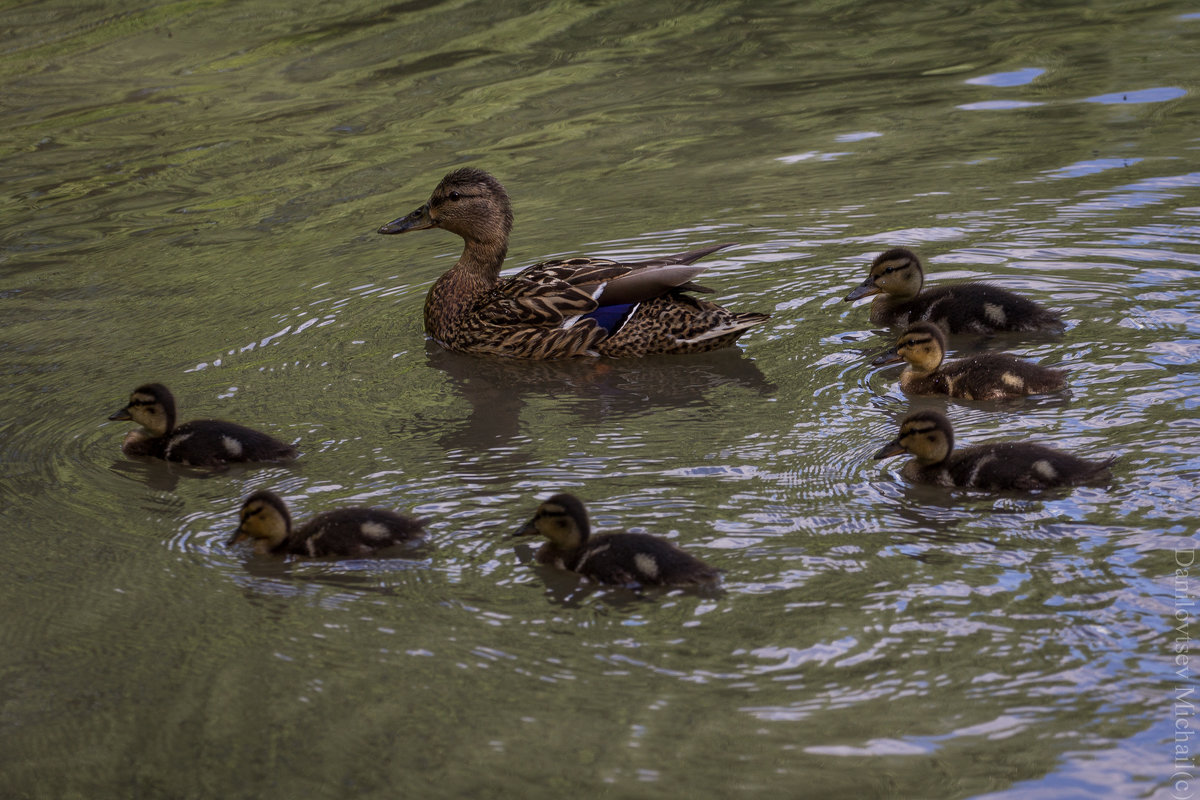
<point x="928" y="437"/>
<point x="983" y="376"/>
<point x="200" y="443"/>
<point x="957" y="308"/>
<point x="341" y="532"/>
<point x="562" y="308"/>
<point x="614" y="558"/>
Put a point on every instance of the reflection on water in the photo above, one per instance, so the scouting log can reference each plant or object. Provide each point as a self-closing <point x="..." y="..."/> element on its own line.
<point x="192" y="195"/>
<point x="497" y="391"/>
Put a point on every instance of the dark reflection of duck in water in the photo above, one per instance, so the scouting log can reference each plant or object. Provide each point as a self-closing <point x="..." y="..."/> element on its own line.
<point x="266" y="577"/>
<point x="497" y="389"/>
<point x="164" y="476"/>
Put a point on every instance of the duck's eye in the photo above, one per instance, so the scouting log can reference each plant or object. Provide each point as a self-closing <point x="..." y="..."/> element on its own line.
<point x="455" y="196"/>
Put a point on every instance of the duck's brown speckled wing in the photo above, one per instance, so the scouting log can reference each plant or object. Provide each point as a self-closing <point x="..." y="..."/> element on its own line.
<point x="540" y="312"/>
<point x="549" y="293"/>
<point x="678" y="323"/>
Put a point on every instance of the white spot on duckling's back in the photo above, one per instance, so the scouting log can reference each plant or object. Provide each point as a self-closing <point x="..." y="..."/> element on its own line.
<point x="995" y="313"/>
<point x="1043" y="469"/>
<point x="232" y="446"/>
<point x="1012" y="380"/>
<point x="374" y="530"/>
<point x="646" y="565"/>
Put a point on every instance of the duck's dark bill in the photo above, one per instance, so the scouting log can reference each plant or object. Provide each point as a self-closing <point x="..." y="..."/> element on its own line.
<point x="416" y="221"/>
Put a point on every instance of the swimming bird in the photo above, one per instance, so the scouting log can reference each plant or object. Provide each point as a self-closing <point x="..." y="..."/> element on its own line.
<point x="613" y="558"/>
<point x="564" y="307"/>
<point x="898" y="277"/>
<point x="200" y="443"/>
<point x="983" y="376"/>
<point x="342" y="532"/>
<point x="929" y="438"/>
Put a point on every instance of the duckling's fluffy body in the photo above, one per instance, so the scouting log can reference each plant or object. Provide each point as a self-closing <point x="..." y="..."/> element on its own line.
<point x="983" y="376"/>
<point x="613" y="558"/>
<point x="200" y="443"/>
<point x="561" y="308"/>
<point x="898" y="278"/>
<point x="342" y="532"/>
<point x="928" y="436"/>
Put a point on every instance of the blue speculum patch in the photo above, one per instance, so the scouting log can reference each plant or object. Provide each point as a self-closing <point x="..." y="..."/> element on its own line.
<point x="611" y="318"/>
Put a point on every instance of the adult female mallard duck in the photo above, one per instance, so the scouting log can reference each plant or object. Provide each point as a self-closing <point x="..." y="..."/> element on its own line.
<point x="983" y="376"/>
<point x="562" y="308"/>
<point x="341" y="532"/>
<point x="199" y="443"/>
<point x="957" y="308"/>
<point x="928" y="437"/>
<point x="614" y="558"/>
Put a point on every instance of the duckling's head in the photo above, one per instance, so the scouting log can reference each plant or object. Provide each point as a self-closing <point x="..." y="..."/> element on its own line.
<point x="152" y="406"/>
<point x="897" y="272"/>
<point x="926" y="435"/>
<point x="265" y="519"/>
<point x="469" y="202"/>
<point x="922" y="345"/>
<point x="562" y="519"/>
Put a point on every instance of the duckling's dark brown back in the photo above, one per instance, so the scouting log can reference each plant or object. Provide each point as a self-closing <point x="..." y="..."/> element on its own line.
<point x="623" y="558"/>
<point x="213" y="443"/>
<point x="968" y="308"/>
<point x="1022" y="465"/>
<point x="989" y="376"/>
<point x="353" y="532"/>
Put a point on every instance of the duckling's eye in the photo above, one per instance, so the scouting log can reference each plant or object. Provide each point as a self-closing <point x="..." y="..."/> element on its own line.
<point x="455" y="196"/>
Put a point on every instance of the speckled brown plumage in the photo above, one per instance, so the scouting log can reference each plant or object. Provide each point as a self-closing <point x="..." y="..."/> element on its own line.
<point x="551" y="309"/>
<point x="898" y="277"/>
<point x="983" y="376"/>
<point x="929" y="438"/>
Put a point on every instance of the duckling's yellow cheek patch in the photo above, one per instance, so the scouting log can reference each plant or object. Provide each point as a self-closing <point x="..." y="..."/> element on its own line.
<point x="646" y="565"/>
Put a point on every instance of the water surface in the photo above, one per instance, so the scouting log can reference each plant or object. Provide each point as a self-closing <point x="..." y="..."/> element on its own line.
<point x="191" y="194"/>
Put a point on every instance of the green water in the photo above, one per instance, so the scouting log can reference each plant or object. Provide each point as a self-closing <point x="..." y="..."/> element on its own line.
<point x="190" y="196"/>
